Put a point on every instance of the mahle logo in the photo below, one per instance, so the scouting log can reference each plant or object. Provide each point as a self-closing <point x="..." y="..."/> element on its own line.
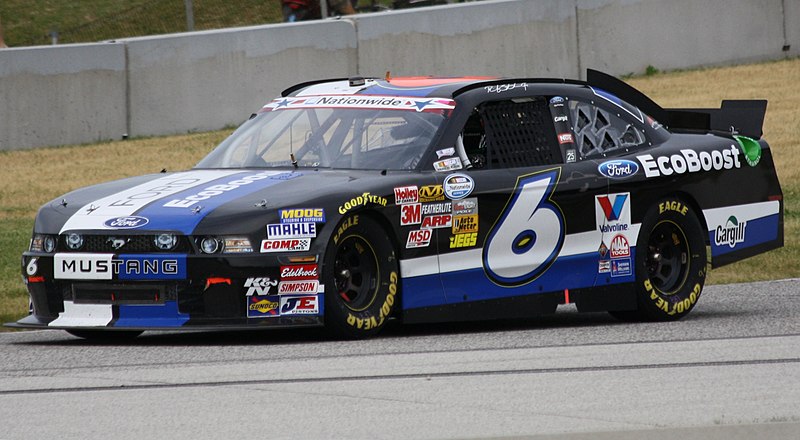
<point x="731" y="233"/>
<point x="750" y="148"/>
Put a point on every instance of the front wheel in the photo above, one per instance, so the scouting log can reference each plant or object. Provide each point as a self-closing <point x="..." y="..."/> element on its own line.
<point x="671" y="260"/>
<point x="361" y="278"/>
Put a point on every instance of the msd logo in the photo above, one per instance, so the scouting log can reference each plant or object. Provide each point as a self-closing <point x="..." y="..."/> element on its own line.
<point x="419" y="238"/>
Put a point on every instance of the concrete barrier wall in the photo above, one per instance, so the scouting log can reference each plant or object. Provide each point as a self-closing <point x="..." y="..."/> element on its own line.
<point x="626" y="36"/>
<point x="61" y="95"/>
<point x="206" y="80"/>
<point x="533" y="38"/>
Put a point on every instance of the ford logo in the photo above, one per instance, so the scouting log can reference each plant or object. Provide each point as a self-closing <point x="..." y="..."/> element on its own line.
<point x="618" y="169"/>
<point x="129" y="222"/>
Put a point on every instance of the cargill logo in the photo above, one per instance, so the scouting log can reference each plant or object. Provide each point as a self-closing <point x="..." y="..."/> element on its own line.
<point x="612" y="210"/>
<point x="731" y="233"/>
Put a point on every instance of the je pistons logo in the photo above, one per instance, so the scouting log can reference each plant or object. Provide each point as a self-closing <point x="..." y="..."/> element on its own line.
<point x="129" y="222"/>
<point x="731" y="233"/>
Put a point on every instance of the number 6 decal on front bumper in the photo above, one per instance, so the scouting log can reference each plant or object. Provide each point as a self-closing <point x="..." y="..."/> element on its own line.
<point x="527" y="238"/>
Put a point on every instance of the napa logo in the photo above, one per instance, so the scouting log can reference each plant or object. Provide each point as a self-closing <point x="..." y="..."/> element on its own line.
<point x="618" y="169"/>
<point x="129" y="222"/>
<point x="731" y="233"/>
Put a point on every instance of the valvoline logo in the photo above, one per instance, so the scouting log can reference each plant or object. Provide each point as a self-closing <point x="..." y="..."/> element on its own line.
<point x="129" y="222"/>
<point x="618" y="169"/>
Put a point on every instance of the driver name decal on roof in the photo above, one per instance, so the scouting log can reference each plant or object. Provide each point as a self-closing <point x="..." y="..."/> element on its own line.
<point x="363" y="102"/>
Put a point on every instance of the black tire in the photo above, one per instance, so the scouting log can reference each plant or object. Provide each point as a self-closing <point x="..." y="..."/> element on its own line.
<point x="362" y="279"/>
<point x="106" y="335"/>
<point x="671" y="259"/>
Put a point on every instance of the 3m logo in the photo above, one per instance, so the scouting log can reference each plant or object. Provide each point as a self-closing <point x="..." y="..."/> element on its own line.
<point x="410" y="214"/>
<point x="431" y="193"/>
<point x="612" y="210"/>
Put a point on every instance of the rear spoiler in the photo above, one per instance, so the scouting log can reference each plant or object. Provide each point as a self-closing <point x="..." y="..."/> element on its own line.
<point x="745" y="117"/>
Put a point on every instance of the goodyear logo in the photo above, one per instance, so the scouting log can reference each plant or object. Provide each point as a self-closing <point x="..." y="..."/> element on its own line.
<point x="431" y="193"/>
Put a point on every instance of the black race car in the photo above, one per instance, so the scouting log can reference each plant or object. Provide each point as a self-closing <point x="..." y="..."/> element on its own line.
<point x="348" y="202"/>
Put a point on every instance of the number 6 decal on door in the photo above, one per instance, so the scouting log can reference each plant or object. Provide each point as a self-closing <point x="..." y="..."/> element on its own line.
<point x="527" y="238"/>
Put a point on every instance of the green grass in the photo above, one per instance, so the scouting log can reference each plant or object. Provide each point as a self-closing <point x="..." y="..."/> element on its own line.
<point x="29" y="22"/>
<point x="14" y="238"/>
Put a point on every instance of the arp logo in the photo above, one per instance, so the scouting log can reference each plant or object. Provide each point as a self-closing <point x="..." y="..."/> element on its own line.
<point x="612" y="210"/>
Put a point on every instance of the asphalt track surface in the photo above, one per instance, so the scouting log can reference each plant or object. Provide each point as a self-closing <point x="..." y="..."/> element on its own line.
<point x="731" y="370"/>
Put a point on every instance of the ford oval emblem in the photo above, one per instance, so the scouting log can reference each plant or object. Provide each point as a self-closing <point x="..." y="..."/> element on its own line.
<point x="618" y="169"/>
<point x="130" y="222"/>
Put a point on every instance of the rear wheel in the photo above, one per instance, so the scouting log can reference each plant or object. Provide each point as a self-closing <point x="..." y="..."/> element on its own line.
<point x="361" y="278"/>
<point x="671" y="261"/>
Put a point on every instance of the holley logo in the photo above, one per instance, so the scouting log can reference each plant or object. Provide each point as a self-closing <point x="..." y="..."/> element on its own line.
<point x="129" y="222"/>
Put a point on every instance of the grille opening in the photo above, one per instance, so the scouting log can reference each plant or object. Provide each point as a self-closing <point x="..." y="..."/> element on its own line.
<point x="117" y="294"/>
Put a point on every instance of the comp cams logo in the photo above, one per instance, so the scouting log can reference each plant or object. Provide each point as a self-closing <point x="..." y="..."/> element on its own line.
<point x="690" y="161"/>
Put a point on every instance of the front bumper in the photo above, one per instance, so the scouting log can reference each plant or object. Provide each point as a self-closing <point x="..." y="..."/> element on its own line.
<point x="168" y="292"/>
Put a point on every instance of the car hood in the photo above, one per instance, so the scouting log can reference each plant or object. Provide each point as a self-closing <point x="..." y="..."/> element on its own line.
<point x="196" y="201"/>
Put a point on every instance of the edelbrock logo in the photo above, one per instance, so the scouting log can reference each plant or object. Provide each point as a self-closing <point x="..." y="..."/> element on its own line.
<point x="618" y="169"/>
<point x="129" y="222"/>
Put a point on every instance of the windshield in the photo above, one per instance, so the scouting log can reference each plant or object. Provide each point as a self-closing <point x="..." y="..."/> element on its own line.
<point x="353" y="132"/>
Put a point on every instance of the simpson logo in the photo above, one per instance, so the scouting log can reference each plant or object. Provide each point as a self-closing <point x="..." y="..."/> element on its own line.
<point x="124" y="267"/>
<point x="613" y="212"/>
<point x="302" y="215"/>
<point x="410" y="214"/>
<point x="291" y="230"/>
<point x="690" y="161"/>
<point x="465" y="206"/>
<point x="299" y="305"/>
<point x="286" y="245"/>
<point x="299" y="272"/>
<point x="458" y="186"/>
<point x="437" y="221"/>
<point x="465" y="223"/>
<point x="259" y="286"/>
<point x="215" y="190"/>
<point x="295" y="287"/>
<point x="731" y="233"/>
<point x="130" y="222"/>
<point x="431" y="193"/>
<point x="263" y="306"/>
<point x="565" y="138"/>
<point x="620" y="247"/>
<point x="419" y="238"/>
<point x="406" y="194"/>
